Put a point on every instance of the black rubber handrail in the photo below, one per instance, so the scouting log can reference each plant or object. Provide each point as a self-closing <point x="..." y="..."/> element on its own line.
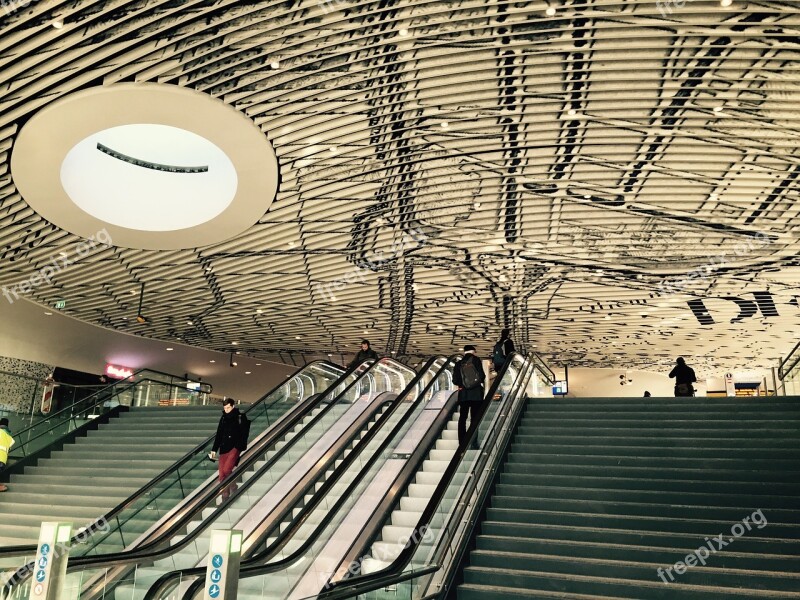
<point x="782" y="373"/>
<point x="362" y="583"/>
<point x="253" y="454"/>
<point x="250" y="568"/>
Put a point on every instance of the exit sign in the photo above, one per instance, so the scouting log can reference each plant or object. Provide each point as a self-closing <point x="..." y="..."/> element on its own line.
<point x="61" y="304"/>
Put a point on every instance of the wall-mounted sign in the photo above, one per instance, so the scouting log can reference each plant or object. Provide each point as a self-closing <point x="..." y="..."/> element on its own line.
<point x="560" y="388"/>
<point x="59" y="304"/>
<point x="118" y="372"/>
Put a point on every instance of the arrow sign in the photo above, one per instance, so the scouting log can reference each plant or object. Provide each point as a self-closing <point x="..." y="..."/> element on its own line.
<point x="216" y="575"/>
<point x="43" y="562"/>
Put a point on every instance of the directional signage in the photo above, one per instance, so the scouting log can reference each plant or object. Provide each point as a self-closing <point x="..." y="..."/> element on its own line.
<point x="222" y="570"/>
<point x="51" y="561"/>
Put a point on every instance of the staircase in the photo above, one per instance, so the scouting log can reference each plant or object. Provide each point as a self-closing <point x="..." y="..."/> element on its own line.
<point x="627" y="498"/>
<point x="85" y="479"/>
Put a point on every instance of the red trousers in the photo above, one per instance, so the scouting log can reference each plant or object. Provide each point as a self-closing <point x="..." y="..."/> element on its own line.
<point x="226" y="463"/>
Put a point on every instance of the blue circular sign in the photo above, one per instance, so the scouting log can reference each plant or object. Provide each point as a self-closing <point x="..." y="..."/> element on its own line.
<point x="40" y="575"/>
<point x="216" y="560"/>
<point x="213" y="591"/>
<point x="45" y="549"/>
<point x="42" y="562"/>
<point x="216" y="575"/>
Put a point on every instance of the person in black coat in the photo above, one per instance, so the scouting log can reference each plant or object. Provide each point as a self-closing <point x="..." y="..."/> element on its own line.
<point x="230" y="441"/>
<point x="684" y="378"/>
<point x="366" y="353"/>
<point x="470" y="392"/>
<point x="502" y="349"/>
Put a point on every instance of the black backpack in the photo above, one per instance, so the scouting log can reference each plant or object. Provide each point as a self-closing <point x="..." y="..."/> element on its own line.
<point x="244" y="429"/>
<point x="498" y="354"/>
<point x="470" y="378"/>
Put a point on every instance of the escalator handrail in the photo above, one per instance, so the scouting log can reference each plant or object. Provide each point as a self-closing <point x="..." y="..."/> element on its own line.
<point x="544" y="369"/>
<point x="156" y="588"/>
<point x="96" y="525"/>
<point x="126" y="556"/>
<point x="344" y="587"/>
<point x="782" y="373"/>
<point x="249" y="568"/>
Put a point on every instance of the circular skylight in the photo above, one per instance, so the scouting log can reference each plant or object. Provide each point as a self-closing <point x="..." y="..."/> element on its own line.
<point x="149" y="177"/>
<point x="150" y="165"/>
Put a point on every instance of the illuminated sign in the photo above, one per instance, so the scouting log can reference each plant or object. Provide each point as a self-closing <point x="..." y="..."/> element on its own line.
<point x="118" y="372"/>
<point x="560" y="388"/>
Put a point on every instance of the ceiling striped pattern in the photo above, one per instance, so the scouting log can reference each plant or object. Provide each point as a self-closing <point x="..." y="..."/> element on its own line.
<point x="615" y="180"/>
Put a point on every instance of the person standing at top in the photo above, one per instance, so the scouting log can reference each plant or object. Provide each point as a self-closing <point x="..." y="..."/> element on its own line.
<point x="502" y="349"/>
<point x="366" y="353"/>
<point x="684" y="378"/>
<point x="469" y="377"/>
<point x="231" y="441"/>
<point x="6" y="441"/>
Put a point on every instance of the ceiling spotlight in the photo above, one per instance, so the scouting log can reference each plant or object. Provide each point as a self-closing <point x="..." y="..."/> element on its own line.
<point x="170" y="349"/>
<point x="275" y="64"/>
<point x="190" y="322"/>
<point x="403" y="32"/>
<point x="234" y="343"/>
<point x="247" y="372"/>
<point x="233" y="363"/>
<point x="212" y="361"/>
<point x="297" y="337"/>
<point x="717" y="109"/>
<point x="57" y="24"/>
<point x="444" y="124"/>
<point x="332" y="149"/>
<point x="725" y="3"/>
<point x="48" y="313"/>
<point x="259" y="311"/>
<point x="140" y="319"/>
<point x="572" y="112"/>
<point x="550" y="12"/>
<point x="258" y="364"/>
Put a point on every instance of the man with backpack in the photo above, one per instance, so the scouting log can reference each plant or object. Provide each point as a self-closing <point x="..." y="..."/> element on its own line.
<point x="231" y="440"/>
<point x="502" y="349"/>
<point x="468" y="375"/>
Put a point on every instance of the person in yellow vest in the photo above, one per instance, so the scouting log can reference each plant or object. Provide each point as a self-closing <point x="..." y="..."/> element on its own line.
<point x="6" y="441"/>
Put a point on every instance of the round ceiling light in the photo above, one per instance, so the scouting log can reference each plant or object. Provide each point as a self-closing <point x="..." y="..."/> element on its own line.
<point x="155" y="166"/>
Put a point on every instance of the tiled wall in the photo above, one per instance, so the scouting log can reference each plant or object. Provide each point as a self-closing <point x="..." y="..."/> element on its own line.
<point x="16" y="392"/>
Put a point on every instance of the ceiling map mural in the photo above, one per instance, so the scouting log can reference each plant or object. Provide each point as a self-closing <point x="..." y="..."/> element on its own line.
<point x="617" y="181"/>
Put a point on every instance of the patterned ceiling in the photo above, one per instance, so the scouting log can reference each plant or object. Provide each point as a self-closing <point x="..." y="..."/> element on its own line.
<point x="615" y="180"/>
